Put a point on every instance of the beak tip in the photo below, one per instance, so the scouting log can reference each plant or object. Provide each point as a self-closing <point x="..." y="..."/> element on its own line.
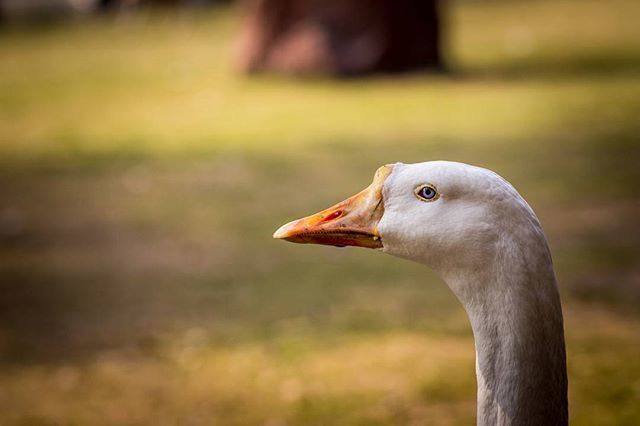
<point x="282" y="232"/>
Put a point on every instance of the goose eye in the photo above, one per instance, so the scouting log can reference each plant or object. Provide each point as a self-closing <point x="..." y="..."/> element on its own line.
<point x="426" y="192"/>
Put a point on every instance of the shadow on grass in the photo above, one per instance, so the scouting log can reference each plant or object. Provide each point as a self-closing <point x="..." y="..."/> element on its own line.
<point x="133" y="252"/>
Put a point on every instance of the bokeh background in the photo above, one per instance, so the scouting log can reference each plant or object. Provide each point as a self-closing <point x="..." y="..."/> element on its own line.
<point x="141" y="178"/>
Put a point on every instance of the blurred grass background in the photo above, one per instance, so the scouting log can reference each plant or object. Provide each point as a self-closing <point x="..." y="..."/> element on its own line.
<point x="141" y="179"/>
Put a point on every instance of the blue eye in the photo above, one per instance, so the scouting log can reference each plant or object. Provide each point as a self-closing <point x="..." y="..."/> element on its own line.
<point x="426" y="192"/>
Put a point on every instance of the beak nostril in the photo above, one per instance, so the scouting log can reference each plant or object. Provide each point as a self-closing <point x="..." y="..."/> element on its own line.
<point x="332" y="216"/>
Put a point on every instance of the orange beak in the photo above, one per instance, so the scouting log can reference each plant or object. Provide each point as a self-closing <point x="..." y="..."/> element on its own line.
<point x="352" y="222"/>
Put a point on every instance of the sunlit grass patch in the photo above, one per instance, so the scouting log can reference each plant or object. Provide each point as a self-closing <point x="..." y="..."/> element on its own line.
<point x="389" y="378"/>
<point x="155" y="86"/>
<point x="377" y="379"/>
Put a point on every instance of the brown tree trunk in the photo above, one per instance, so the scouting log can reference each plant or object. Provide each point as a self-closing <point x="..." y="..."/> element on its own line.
<point x="340" y="37"/>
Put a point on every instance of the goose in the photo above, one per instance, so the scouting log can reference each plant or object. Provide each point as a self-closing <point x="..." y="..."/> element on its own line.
<point x="481" y="237"/>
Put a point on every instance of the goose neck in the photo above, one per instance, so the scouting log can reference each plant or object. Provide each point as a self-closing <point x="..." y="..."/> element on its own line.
<point x="520" y="352"/>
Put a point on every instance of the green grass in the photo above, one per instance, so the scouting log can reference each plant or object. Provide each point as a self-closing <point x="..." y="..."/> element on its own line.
<point x="141" y="179"/>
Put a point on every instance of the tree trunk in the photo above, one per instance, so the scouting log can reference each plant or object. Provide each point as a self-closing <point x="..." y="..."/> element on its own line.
<point x="340" y="37"/>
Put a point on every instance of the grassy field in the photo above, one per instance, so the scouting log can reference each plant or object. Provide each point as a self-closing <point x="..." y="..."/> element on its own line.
<point x="141" y="179"/>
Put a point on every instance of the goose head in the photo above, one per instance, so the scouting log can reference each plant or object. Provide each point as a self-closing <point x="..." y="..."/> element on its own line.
<point x="451" y="216"/>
